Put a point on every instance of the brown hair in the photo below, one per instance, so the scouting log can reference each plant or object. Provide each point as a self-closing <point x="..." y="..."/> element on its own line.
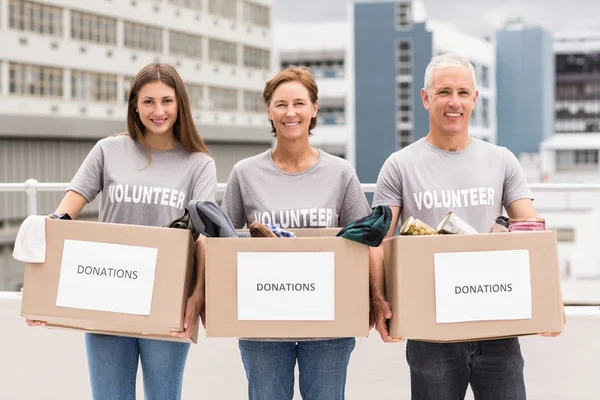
<point x="184" y="128"/>
<point x="293" y="73"/>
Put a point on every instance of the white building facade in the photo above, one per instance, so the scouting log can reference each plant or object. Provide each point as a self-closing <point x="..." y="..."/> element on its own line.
<point x="65" y="71"/>
<point x="323" y="47"/>
<point x="572" y="154"/>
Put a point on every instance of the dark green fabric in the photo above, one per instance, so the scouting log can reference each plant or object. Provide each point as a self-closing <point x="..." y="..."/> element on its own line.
<point x="184" y="222"/>
<point x="370" y="230"/>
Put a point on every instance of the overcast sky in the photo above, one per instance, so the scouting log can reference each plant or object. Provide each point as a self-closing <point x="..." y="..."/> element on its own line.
<point x="478" y="17"/>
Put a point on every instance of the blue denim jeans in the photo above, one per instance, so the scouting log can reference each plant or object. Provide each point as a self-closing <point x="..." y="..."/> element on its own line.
<point x="442" y="371"/>
<point x="113" y="364"/>
<point x="322" y="364"/>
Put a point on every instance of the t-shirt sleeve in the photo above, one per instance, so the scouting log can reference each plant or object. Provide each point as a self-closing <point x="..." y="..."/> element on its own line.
<point x="515" y="182"/>
<point x="388" y="190"/>
<point x="205" y="187"/>
<point x="232" y="204"/>
<point x="354" y="204"/>
<point x="89" y="179"/>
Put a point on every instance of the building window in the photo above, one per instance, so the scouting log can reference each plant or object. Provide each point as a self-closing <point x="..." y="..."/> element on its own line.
<point x="35" y="17"/>
<point x="404" y="116"/>
<point x="223" y="8"/>
<point x="485" y="76"/>
<point x="591" y="125"/>
<point x="404" y="58"/>
<point x="196" y="95"/>
<point x="404" y="102"/>
<point x="222" y="52"/>
<point x="577" y="160"/>
<point x="93" y="87"/>
<point x="255" y="14"/>
<point x="485" y="108"/>
<point x="253" y="102"/>
<point x="35" y="80"/>
<point x="143" y="37"/>
<point x="403" y="137"/>
<point x="93" y="28"/>
<point x="127" y="81"/>
<point x="578" y="63"/>
<point x="191" y="4"/>
<point x="403" y="15"/>
<point x="332" y="68"/>
<point x="257" y="58"/>
<point x="474" y="121"/>
<point x="185" y="45"/>
<point x="331" y="115"/>
<point x="223" y="99"/>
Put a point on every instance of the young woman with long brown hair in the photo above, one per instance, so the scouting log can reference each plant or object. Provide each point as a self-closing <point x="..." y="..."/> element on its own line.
<point x="145" y="177"/>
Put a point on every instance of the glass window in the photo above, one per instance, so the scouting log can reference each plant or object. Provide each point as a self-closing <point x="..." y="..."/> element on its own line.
<point x="404" y="102"/>
<point x="127" y="81"/>
<point x="223" y="99"/>
<point x="331" y="115"/>
<point x="485" y="112"/>
<point x="404" y="57"/>
<point x="35" y="80"/>
<point x="255" y="14"/>
<point x="191" y="4"/>
<point x="93" y="87"/>
<point x="403" y="15"/>
<point x="223" y="8"/>
<point x="34" y="17"/>
<point x="253" y="102"/>
<point x="257" y="58"/>
<point x="195" y="93"/>
<point x="142" y="37"/>
<point x="185" y="44"/>
<point x="222" y="52"/>
<point x="93" y="28"/>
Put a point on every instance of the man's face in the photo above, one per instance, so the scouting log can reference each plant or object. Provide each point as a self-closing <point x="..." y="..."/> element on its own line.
<point x="450" y="101"/>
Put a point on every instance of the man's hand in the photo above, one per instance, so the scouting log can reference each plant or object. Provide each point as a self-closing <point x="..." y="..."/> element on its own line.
<point x="32" y="322"/>
<point x="380" y="313"/>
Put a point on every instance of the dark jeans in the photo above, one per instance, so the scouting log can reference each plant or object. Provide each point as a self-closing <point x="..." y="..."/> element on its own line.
<point x="442" y="371"/>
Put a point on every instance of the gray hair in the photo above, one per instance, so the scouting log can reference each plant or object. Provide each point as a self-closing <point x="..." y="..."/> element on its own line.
<point x="447" y="60"/>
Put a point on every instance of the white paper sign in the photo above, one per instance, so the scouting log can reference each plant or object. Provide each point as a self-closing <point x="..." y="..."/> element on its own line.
<point x="286" y="286"/>
<point x="107" y="277"/>
<point x="482" y="285"/>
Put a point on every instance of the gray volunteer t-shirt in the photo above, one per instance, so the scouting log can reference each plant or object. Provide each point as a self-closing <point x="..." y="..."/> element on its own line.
<point x="475" y="183"/>
<point x="135" y="192"/>
<point x="326" y="195"/>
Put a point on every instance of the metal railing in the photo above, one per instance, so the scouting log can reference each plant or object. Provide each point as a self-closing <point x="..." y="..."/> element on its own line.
<point x="32" y="187"/>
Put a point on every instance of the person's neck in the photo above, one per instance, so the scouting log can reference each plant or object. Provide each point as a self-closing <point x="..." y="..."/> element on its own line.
<point x="294" y="156"/>
<point x="160" y="142"/>
<point x="449" y="143"/>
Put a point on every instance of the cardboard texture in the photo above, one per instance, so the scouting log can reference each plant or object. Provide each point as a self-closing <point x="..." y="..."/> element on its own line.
<point x="174" y="278"/>
<point x="410" y="287"/>
<point x="351" y="287"/>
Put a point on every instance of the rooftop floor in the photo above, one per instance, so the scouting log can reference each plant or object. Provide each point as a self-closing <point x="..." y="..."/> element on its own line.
<point x="42" y="364"/>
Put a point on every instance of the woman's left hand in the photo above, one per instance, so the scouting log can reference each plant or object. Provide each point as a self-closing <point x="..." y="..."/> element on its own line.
<point x="194" y="305"/>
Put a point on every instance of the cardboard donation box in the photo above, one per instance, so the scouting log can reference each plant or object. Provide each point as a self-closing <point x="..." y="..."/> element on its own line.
<point x="115" y="279"/>
<point x="315" y="285"/>
<point x="448" y="288"/>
